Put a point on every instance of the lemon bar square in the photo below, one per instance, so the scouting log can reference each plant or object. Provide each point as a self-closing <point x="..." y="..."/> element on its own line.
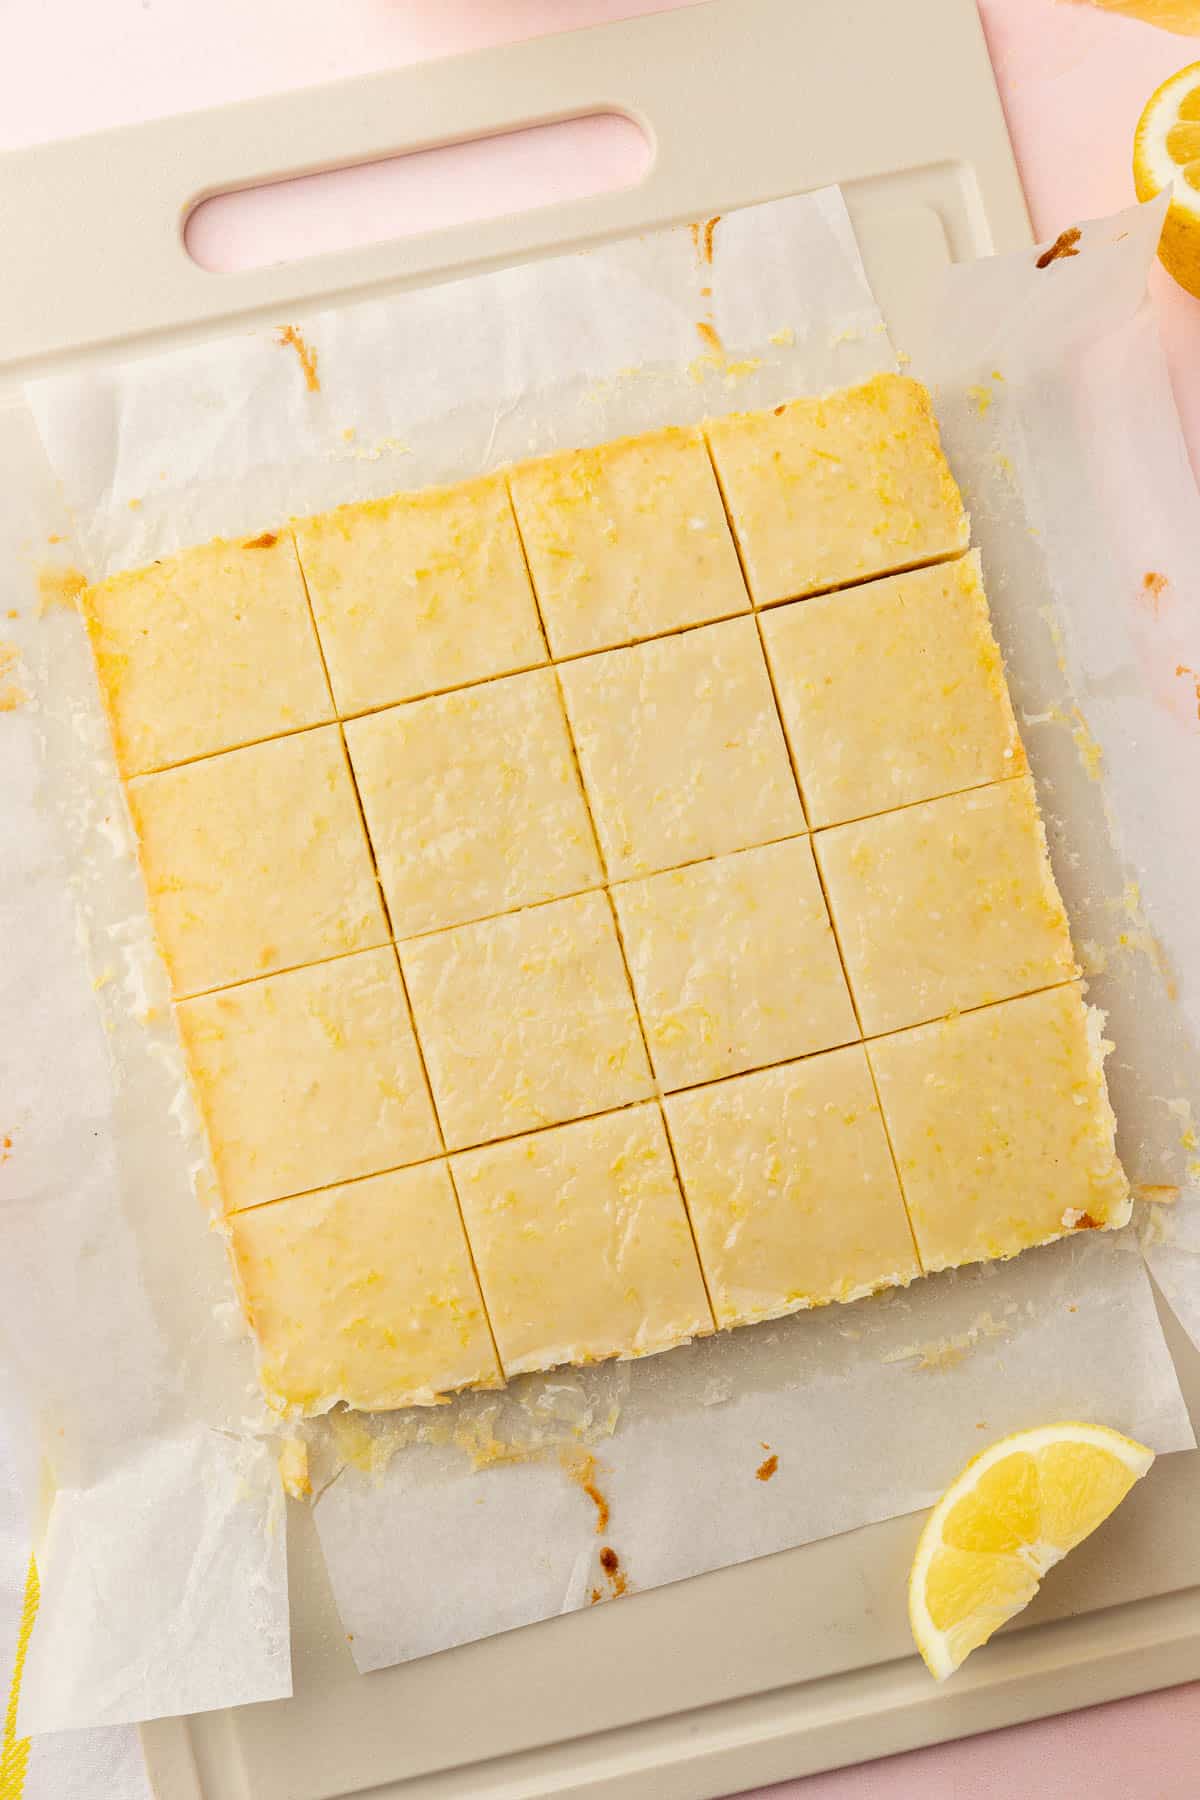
<point x="1002" y="1128"/>
<point x="308" y="1078"/>
<point x="946" y="905"/>
<point x="582" y="1243"/>
<point x="256" y="860"/>
<point x="791" y="1188"/>
<point x="734" y="963"/>
<point x="824" y="492"/>
<point x="206" y="650"/>
<point x="419" y="592"/>
<point x="681" y="748"/>
<point x="364" y="1293"/>
<point x="526" y="1020"/>
<point x="893" y="692"/>
<point x="473" y="802"/>
<point x="627" y="541"/>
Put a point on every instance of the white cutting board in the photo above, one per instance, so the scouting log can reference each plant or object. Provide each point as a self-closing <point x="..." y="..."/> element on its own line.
<point x="802" y="1660"/>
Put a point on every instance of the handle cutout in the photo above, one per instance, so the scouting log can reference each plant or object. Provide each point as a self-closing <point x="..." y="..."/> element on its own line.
<point x="420" y="191"/>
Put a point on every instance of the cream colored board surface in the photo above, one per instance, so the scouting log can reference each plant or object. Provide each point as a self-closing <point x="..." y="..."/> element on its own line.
<point x="744" y="100"/>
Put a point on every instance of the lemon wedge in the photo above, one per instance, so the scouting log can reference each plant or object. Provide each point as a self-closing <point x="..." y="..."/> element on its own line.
<point x="1181" y="16"/>
<point x="1166" y="151"/>
<point x="1014" y="1512"/>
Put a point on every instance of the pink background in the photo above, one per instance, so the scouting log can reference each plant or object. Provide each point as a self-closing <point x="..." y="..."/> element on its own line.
<point x="1074" y="82"/>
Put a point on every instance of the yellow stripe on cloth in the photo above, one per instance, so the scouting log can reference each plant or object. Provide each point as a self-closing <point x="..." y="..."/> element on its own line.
<point x="14" y="1751"/>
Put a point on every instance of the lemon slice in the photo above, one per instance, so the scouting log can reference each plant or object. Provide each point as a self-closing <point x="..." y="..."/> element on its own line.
<point x="1166" y="151"/>
<point x="1012" y="1514"/>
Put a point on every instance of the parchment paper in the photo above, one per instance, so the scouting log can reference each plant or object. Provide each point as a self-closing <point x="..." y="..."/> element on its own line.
<point x="442" y="1527"/>
<point x="159" y="1520"/>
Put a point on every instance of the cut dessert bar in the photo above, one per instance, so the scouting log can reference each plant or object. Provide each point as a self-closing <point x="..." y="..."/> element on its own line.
<point x="206" y="650"/>
<point x="473" y="802"/>
<point x="791" y="1188"/>
<point x="1002" y="1127"/>
<point x="734" y="963"/>
<point x="946" y="905"/>
<point x="627" y="541"/>
<point x="829" y="491"/>
<point x="256" y="860"/>
<point x="308" y="1078"/>
<point x="582" y="1242"/>
<point x="526" y="1020"/>
<point x="419" y="592"/>
<point x="365" y="1294"/>
<point x="893" y="692"/>
<point x="681" y="748"/>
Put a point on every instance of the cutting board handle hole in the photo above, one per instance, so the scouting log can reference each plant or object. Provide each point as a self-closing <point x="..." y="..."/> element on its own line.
<point x="421" y="191"/>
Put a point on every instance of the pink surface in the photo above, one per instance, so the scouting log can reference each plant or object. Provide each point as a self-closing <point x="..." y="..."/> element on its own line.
<point x="1074" y="83"/>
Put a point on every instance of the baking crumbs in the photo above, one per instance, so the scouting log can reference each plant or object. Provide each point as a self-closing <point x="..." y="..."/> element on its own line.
<point x="292" y="336"/>
<point x="582" y="1471"/>
<point x="1183" y="669"/>
<point x="1065" y="244"/>
<point x="58" y="584"/>
<point x="610" y="1562"/>
<point x="12" y="694"/>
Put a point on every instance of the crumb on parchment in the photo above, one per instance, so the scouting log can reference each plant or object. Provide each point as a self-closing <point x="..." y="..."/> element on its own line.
<point x="580" y="1467"/>
<point x="702" y="237"/>
<point x="292" y="336"/>
<point x="59" y="584"/>
<point x="293" y="1468"/>
<point x="12" y="694"/>
<point x="1192" y="676"/>
<point x="1065" y="244"/>
<point x="618" y="1581"/>
<point x="945" y="1353"/>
